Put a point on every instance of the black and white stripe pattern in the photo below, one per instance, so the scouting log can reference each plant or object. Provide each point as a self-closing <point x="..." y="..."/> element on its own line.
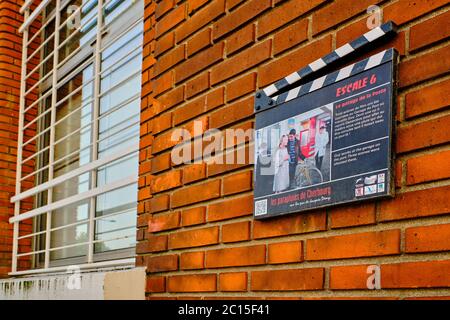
<point x="337" y="54"/>
<point x="339" y="75"/>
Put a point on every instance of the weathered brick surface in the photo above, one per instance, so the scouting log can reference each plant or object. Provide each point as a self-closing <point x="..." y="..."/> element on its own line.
<point x="203" y="61"/>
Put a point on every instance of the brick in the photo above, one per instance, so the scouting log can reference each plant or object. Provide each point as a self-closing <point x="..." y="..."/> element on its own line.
<point x="241" y="62"/>
<point x="429" y="274"/>
<point x="190" y="110"/>
<point x="194" y="172"/>
<point x="295" y="60"/>
<point x="192" y="283"/>
<point x="424" y="134"/>
<point x="430" y="98"/>
<point x="290" y="36"/>
<point x="337" y="12"/>
<point x="170" y="99"/>
<point x="171" y="20"/>
<point x="192" y="260"/>
<point x="170" y="59"/>
<point x="199" y="42"/>
<point x="194" y="238"/>
<point x="235" y="232"/>
<point x="240" y="39"/>
<point x="428" y="239"/>
<point x="236" y="183"/>
<point x="159" y="203"/>
<point x="156" y="284"/>
<point x="162" y="83"/>
<point x="199" y="62"/>
<point x="238" y="17"/>
<point x="166" y="181"/>
<point x="349" y="277"/>
<point x="153" y="244"/>
<point x="404" y="11"/>
<point x="197" y="85"/>
<point x="232" y="208"/>
<point x="287" y="225"/>
<point x="232" y="113"/>
<point x="196" y="193"/>
<point x="288" y="280"/>
<point x="200" y="19"/>
<point x="415" y="204"/>
<point x="353" y="215"/>
<point x="162" y="263"/>
<point x="162" y="122"/>
<point x="367" y="244"/>
<point x="427" y="168"/>
<point x="285" y="13"/>
<point x="233" y="3"/>
<point x="193" y="216"/>
<point x="234" y="257"/>
<point x="163" y="7"/>
<point x="233" y="281"/>
<point x="193" y="5"/>
<point x="285" y="252"/>
<point x="429" y="31"/>
<point x="164" y="222"/>
<point x="424" y="67"/>
<point x="215" y="99"/>
<point x="241" y="86"/>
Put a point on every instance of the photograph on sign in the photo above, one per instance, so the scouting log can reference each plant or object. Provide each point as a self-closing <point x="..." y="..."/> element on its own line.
<point x="329" y="144"/>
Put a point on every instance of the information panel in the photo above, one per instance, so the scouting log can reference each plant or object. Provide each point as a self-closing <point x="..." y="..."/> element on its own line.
<point x="328" y="141"/>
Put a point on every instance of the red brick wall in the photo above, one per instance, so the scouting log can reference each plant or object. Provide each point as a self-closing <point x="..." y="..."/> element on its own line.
<point x="10" y="72"/>
<point x="204" y="60"/>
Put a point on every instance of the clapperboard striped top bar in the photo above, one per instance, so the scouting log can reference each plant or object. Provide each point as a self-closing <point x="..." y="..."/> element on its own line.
<point x="364" y="40"/>
<point x="351" y="70"/>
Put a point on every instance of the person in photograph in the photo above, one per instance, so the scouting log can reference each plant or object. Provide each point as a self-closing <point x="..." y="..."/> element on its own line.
<point x="281" y="161"/>
<point x="295" y="155"/>
<point x="321" y="145"/>
<point x="264" y="170"/>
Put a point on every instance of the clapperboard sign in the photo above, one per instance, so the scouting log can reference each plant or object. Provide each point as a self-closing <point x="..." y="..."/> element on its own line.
<point x="328" y="141"/>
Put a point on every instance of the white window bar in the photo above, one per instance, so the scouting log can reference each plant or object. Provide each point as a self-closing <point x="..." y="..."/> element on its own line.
<point x="94" y="162"/>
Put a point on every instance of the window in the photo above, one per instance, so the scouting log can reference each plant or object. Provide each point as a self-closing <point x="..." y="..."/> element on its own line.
<point x="78" y="134"/>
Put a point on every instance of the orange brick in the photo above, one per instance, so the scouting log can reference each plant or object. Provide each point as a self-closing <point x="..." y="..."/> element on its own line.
<point x="424" y="134"/>
<point x="232" y="113"/>
<point x="171" y="20"/>
<point x="194" y="172"/>
<point x="164" y="222"/>
<point x="162" y="122"/>
<point x="193" y="216"/>
<point x="429" y="31"/>
<point x="233" y="281"/>
<point x="194" y="238"/>
<point x="288" y="280"/>
<point x="353" y="215"/>
<point x="241" y="86"/>
<point x="238" y="182"/>
<point x="197" y="85"/>
<point x="199" y="42"/>
<point x="156" y="284"/>
<point x="291" y="224"/>
<point x="152" y="244"/>
<point x="233" y="257"/>
<point x="199" y="62"/>
<point x="367" y="244"/>
<point x="428" y="239"/>
<point x="404" y="11"/>
<point x="162" y="83"/>
<point x="427" y="168"/>
<point x="192" y="260"/>
<point x="240" y="16"/>
<point x="285" y="252"/>
<point x="424" y="67"/>
<point x="200" y="19"/>
<point x="284" y="14"/>
<point x="170" y="99"/>
<point x="242" y="61"/>
<point x="431" y="98"/>
<point x="231" y="208"/>
<point x="429" y="274"/>
<point x="349" y="277"/>
<point x="166" y="181"/>
<point x="170" y="59"/>
<point x="234" y="232"/>
<point x="163" y="7"/>
<point x="215" y="98"/>
<point x="295" y="60"/>
<point x="162" y="263"/>
<point x="290" y="36"/>
<point x="192" y="283"/>
<point x="415" y="204"/>
<point x="159" y="203"/>
<point x="240" y="39"/>
<point x="196" y="193"/>
<point x="164" y="43"/>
